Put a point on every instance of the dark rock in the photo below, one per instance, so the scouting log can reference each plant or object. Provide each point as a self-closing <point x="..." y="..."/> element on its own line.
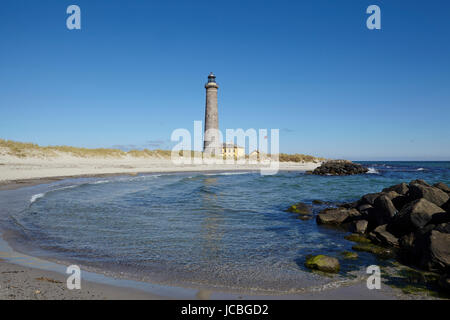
<point x="443" y="227"/>
<point x="340" y="168"/>
<point x="407" y="242"/>
<point x="419" y="181"/>
<point x="300" y="208"/>
<point x="359" y="226"/>
<point x="413" y="216"/>
<point x="391" y="194"/>
<point x="323" y="263"/>
<point x="401" y="188"/>
<point x="357" y="238"/>
<point x="442" y="186"/>
<point x="364" y="208"/>
<point x="446" y="206"/>
<point x="400" y="201"/>
<point x="349" y="205"/>
<point x="319" y="202"/>
<point x="334" y="216"/>
<point x="377" y="250"/>
<point x="436" y="257"/>
<point x="370" y="198"/>
<point x="444" y="282"/>
<point x="381" y="235"/>
<point x="384" y="210"/>
<point x="349" y="255"/>
<point x="432" y="194"/>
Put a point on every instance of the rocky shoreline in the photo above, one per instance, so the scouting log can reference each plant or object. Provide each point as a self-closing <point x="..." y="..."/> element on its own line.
<point x="409" y="222"/>
<point x="339" y="168"/>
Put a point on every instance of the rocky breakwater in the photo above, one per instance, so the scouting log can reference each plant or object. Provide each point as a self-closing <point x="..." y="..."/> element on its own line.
<point x="410" y="222"/>
<point x="339" y="168"/>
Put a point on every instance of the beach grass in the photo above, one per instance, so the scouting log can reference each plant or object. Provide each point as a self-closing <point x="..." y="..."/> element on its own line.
<point x="27" y="149"/>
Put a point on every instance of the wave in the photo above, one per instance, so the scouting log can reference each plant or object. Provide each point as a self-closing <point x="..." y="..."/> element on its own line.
<point x="226" y="173"/>
<point x="421" y="169"/>
<point x="373" y="171"/>
<point x="36" y="197"/>
<point x="100" y="182"/>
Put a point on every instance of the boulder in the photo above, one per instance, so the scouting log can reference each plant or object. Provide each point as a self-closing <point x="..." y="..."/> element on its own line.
<point x="370" y="198"/>
<point x="340" y="168"/>
<point x="300" y="208"/>
<point x="377" y="250"/>
<point x="400" y="201"/>
<point x="413" y="216"/>
<point x="392" y="194"/>
<point x="381" y="235"/>
<point x="446" y="206"/>
<point x="357" y="238"/>
<point x="364" y="208"/>
<point x="436" y="257"/>
<point x="401" y="188"/>
<point x="432" y="194"/>
<point x="349" y="205"/>
<point x="419" y="181"/>
<point x="323" y="263"/>
<point x="359" y="226"/>
<point x="444" y="282"/>
<point x="407" y="242"/>
<point x="443" y="227"/>
<point x="442" y="186"/>
<point x="334" y="216"/>
<point x="384" y="210"/>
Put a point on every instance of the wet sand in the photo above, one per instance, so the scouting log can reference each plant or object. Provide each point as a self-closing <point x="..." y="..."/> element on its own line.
<point x="24" y="283"/>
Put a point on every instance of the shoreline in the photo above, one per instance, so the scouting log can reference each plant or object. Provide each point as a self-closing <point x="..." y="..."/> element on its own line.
<point x="19" y="275"/>
<point x="22" y="171"/>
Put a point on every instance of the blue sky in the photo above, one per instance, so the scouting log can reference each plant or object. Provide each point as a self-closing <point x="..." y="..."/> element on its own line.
<point x="136" y="71"/>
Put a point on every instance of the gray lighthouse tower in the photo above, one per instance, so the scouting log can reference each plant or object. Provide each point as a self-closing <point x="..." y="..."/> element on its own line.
<point x="211" y="138"/>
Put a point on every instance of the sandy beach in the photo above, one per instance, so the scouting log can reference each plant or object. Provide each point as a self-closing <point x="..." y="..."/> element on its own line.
<point x="13" y="169"/>
<point x="27" y="280"/>
<point x="23" y="282"/>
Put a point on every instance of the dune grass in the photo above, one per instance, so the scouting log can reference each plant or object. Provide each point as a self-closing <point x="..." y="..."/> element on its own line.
<point x="24" y="149"/>
<point x="297" y="157"/>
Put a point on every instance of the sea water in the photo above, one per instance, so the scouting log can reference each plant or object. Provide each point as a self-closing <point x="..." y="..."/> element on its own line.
<point x="225" y="230"/>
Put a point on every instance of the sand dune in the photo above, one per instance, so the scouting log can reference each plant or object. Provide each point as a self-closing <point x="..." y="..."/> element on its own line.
<point x="64" y="164"/>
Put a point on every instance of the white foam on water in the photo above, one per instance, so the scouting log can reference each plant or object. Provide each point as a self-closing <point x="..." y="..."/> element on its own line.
<point x="36" y="197"/>
<point x="420" y="169"/>
<point x="100" y="182"/>
<point x="373" y="171"/>
<point x="225" y="173"/>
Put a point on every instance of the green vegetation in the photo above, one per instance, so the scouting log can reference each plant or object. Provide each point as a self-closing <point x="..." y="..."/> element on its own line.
<point x="299" y="208"/>
<point x="349" y="255"/>
<point x="322" y="263"/>
<point x="23" y="150"/>
<point x="357" y="238"/>
<point x="298" y="158"/>
<point x="380" y="252"/>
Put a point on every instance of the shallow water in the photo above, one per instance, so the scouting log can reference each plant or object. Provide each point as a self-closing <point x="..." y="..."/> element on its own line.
<point x="227" y="230"/>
